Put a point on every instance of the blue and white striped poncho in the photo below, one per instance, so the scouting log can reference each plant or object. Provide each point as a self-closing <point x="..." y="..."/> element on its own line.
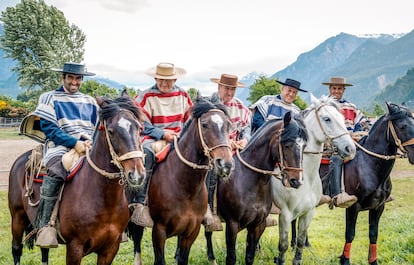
<point x="75" y="114"/>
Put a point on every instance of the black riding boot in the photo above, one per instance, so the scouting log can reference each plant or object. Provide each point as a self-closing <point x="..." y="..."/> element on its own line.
<point x="211" y="220"/>
<point x="141" y="215"/>
<point x="340" y="198"/>
<point x="47" y="236"/>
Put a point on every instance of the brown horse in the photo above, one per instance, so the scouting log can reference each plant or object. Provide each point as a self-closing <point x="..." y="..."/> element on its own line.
<point x="93" y="211"/>
<point x="177" y="196"/>
<point x="245" y="200"/>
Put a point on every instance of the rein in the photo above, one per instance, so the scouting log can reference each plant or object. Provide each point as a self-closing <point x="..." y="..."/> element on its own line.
<point x="330" y="138"/>
<point x="206" y="150"/>
<point x="116" y="160"/>
<point x="278" y="175"/>
<point x="397" y="141"/>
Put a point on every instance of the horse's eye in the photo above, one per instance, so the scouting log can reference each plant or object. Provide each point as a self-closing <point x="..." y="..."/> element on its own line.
<point x="204" y="125"/>
<point x="326" y="119"/>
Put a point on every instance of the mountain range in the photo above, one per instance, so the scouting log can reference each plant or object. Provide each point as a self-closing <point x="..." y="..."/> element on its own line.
<point x="369" y="62"/>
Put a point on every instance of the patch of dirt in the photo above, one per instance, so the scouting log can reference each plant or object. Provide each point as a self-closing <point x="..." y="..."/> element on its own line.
<point x="10" y="150"/>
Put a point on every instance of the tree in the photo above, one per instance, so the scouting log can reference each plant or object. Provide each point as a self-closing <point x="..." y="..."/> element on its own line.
<point x="39" y="38"/>
<point x="93" y="88"/>
<point x="193" y="93"/>
<point x="378" y="110"/>
<point x="264" y="86"/>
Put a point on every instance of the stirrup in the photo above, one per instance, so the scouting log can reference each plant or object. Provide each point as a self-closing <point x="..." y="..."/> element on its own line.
<point x="270" y="221"/>
<point x="47" y="237"/>
<point x="344" y="200"/>
<point x="324" y="199"/>
<point x="141" y="216"/>
<point x="215" y="225"/>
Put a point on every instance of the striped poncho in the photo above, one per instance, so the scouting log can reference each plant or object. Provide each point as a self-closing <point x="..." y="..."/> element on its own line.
<point x="164" y="111"/>
<point x="74" y="114"/>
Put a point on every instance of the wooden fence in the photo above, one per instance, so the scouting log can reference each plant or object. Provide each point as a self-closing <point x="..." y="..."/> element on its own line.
<point x="10" y="122"/>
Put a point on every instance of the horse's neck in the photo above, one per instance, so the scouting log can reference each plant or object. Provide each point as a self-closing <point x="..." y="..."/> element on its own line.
<point x="258" y="153"/>
<point x="378" y="140"/>
<point x="101" y="155"/>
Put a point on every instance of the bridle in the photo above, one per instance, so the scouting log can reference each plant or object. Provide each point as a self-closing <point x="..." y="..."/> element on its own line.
<point x="330" y="138"/>
<point x="397" y="142"/>
<point x="283" y="169"/>
<point x="116" y="159"/>
<point x="206" y="149"/>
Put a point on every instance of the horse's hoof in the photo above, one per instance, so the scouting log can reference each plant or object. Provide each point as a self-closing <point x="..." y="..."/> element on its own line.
<point x="344" y="261"/>
<point x="297" y="262"/>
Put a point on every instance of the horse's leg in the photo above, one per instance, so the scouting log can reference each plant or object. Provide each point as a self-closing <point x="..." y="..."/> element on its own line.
<point x="210" y="249"/>
<point x="136" y="233"/>
<point x="185" y="245"/>
<point x="304" y="222"/>
<point x="374" y="217"/>
<point x="351" y="219"/>
<point x="231" y="236"/>
<point x="17" y="246"/>
<point x="158" y="242"/>
<point x="253" y="236"/>
<point x="45" y="256"/>
<point x="293" y="240"/>
<point x="284" y="225"/>
<point x="74" y="253"/>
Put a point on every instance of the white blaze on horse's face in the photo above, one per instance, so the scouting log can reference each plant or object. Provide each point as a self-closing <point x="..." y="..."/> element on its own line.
<point x="124" y="123"/>
<point x="217" y="120"/>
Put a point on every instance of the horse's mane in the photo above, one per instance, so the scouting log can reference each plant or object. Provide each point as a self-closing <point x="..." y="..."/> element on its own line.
<point x="324" y="99"/>
<point x="201" y="106"/>
<point x="113" y="106"/>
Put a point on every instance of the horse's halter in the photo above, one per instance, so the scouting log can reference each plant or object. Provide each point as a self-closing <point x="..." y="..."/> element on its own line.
<point x="397" y="141"/>
<point x="206" y="150"/>
<point x="283" y="169"/>
<point x="116" y="160"/>
<point x="330" y="138"/>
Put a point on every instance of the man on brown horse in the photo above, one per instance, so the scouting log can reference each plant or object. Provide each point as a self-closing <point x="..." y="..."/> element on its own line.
<point x="239" y="136"/>
<point x="166" y="107"/>
<point x="68" y="119"/>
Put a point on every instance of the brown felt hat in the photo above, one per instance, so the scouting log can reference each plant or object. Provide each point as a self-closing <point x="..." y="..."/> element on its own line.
<point x="228" y="80"/>
<point x="337" y="81"/>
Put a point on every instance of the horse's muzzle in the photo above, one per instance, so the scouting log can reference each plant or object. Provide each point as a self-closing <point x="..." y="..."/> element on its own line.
<point x="223" y="168"/>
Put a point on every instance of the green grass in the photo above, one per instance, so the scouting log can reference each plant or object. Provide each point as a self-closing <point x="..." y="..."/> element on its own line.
<point x="395" y="242"/>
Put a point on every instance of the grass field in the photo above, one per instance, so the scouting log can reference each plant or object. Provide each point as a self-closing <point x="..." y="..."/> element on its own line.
<point x="326" y="233"/>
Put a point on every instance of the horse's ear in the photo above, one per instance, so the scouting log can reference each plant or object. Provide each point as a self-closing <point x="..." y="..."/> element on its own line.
<point x="287" y="118"/>
<point x="392" y="108"/>
<point x="314" y="100"/>
<point x="100" y="100"/>
<point x="124" y="93"/>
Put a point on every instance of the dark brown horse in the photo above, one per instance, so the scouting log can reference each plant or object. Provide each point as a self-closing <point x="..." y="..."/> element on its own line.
<point x="245" y="200"/>
<point x="93" y="211"/>
<point x="367" y="176"/>
<point x="177" y="196"/>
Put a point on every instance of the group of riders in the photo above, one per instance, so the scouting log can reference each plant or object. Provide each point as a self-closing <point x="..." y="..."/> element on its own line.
<point x="68" y="119"/>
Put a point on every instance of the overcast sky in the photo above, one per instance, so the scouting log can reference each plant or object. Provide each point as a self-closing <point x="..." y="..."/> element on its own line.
<point x="207" y="38"/>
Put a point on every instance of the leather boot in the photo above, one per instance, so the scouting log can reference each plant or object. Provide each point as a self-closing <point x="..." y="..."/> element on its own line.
<point x="339" y="198"/>
<point x="211" y="220"/>
<point x="141" y="215"/>
<point x="47" y="235"/>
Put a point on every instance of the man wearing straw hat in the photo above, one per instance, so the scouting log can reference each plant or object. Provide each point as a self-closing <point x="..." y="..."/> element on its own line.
<point x="166" y="107"/>
<point x="239" y="136"/>
<point x="354" y="121"/>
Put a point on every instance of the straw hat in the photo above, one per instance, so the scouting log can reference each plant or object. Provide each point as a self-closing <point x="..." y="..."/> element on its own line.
<point x="337" y="81"/>
<point x="228" y="80"/>
<point x="292" y="83"/>
<point x="165" y="71"/>
<point x="73" y="68"/>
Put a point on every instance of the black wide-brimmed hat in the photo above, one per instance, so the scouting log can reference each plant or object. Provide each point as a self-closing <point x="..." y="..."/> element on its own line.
<point x="292" y="83"/>
<point x="74" y="68"/>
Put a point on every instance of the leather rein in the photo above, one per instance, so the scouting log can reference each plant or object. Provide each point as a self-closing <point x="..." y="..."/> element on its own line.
<point x="116" y="160"/>
<point x="206" y="150"/>
<point x="283" y="169"/>
<point x="397" y="141"/>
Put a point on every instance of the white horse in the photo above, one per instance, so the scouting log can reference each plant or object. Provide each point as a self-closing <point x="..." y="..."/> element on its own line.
<point x="325" y="125"/>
